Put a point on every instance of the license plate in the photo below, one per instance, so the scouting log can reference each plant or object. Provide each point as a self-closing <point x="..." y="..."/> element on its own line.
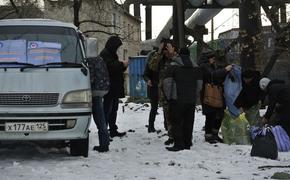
<point x="26" y="127"/>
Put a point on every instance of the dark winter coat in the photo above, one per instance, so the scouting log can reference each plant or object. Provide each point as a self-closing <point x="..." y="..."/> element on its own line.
<point x="250" y="94"/>
<point x="115" y="67"/>
<point x="212" y="74"/>
<point x="153" y="76"/>
<point x="185" y="76"/>
<point x="279" y="98"/>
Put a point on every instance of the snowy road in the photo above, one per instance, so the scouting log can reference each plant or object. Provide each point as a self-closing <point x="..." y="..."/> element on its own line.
<point x="139" y="155"/>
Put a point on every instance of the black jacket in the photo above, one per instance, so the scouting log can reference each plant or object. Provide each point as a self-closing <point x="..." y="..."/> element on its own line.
<point x="212" y="74"/>
<point x="250" y="94"/>
<point x="279" y="97"/>
<point x="185" y="76"/>
<point x="115" y="67"/>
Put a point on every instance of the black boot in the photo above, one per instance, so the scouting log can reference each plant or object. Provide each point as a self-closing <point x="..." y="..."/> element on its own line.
<point x="169" y="141"/>
<point x="117" y="134"/>
<point x="210" y="139"/>
<point x="174" y="148"/>
<point x="101" y="148"/>
<point x="217" y="138"/>
<point x="151" y="128"/>
<point x="215" y="133"/>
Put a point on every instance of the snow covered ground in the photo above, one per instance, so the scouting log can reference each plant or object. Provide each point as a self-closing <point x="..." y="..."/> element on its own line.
<point x="138" y="156"/>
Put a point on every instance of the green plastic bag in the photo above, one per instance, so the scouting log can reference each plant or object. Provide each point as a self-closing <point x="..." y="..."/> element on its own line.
<point x="235" y="130"/>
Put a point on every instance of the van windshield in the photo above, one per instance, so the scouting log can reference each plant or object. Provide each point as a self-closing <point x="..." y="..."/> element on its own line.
<point x="38" y="45"/>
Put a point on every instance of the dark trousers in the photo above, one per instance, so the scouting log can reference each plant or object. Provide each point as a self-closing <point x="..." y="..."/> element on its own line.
<point x="153" y="111"/>
<point x="100" y="121"/>
<point x="111" y="105"/>
<point x="213" y="122"/>
<point x="154" y="98"/>
<point x="182" y="123"/>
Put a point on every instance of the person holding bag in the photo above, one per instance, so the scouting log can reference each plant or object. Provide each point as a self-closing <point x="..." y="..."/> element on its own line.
<point x="211" y="96"/>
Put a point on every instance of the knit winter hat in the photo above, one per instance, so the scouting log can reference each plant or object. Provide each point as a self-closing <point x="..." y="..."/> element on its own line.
<point x="264" y="83"/>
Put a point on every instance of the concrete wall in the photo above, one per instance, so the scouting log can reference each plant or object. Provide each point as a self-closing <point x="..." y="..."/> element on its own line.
<point x="106" y="12"/>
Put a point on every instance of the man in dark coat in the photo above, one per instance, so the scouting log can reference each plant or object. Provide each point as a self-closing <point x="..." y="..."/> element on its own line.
<point x="279" y="101"/>
<point x="159" y="63"/>
<point x="116" y="69"/>
<point x="182" y="108"/>
<point x="213" y="74"/>
<point x="152" y="79"/>
<point x="250" y="95"/>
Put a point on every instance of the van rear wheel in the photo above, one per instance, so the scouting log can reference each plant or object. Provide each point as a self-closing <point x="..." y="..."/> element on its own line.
<point x="79" y="147"/>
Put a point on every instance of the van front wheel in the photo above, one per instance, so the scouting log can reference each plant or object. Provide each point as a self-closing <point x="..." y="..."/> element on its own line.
<point x="79" y="147"/>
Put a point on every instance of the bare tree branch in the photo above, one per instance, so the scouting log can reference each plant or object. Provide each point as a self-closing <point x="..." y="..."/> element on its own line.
<point x="89" y="31"/>
<point x="6" y="15"/>
<point x="99" y="23"/>
<point x="15" y="8"/>
<point x="76" y="7"/>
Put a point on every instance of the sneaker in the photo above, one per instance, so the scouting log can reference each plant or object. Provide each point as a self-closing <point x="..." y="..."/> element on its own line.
<point x="174" y="148"/>
<point x="101" y="148"/>
<point x="117" y="134"/>
<point x="169" y="141"/>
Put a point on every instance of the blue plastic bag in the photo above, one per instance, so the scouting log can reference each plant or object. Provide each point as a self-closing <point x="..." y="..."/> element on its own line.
<point x="232" y="89"/>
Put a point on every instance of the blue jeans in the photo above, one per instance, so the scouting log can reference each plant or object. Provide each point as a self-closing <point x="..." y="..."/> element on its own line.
<point x="99" y="118"/>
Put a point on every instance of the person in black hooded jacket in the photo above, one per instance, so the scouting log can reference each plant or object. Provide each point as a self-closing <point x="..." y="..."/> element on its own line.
<point x="182" y="105"/>
<point x="116" y="69"/>
<point x="279" y="101"/>
<point x="250" y="95"/>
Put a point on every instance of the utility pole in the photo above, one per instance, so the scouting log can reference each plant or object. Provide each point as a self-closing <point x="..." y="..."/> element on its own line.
<point x="148" y="21"/>
<point x="178" y="21"/>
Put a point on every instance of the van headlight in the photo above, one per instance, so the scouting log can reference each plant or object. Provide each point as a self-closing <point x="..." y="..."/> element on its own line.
<point x="77" y="99"/>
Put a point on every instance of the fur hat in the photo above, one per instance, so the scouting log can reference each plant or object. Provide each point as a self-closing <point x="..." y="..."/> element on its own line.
<point x="264" y="83"/>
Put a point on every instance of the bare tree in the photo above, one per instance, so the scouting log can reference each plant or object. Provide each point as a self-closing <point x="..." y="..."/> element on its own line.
<point x="20" y="9"/>
<point x="97" y="19"/>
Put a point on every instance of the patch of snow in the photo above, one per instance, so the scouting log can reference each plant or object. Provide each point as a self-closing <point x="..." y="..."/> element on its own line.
<point x="137" y="156"/>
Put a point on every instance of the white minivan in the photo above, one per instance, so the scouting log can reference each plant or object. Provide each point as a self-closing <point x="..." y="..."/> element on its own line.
<point x="44" y="83"/>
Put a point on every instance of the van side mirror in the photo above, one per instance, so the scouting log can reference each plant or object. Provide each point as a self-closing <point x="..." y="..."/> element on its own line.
<point x="91" y="47"/>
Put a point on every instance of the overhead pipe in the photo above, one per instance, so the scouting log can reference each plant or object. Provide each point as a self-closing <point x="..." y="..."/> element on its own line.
<point x="127" y="3"/>
<point x="165" y="32"/>
<point x="202" y="16"/>
<point x="194" y="3"/>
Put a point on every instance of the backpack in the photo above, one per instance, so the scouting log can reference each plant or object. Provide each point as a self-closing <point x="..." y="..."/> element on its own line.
<point x="99" y="76"/>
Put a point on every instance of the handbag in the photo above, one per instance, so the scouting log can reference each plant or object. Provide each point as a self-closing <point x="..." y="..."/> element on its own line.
<point x="213" y="95"/>
<point x="264" y="144"/>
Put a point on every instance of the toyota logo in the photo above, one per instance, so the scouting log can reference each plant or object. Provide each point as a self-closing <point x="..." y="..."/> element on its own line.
<point x="26" y="98"/>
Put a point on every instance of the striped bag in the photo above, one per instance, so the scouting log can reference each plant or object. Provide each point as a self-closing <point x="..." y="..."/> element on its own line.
<point x="282" y="138"/>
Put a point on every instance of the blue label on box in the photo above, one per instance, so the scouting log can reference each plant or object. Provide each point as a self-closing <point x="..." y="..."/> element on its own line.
<point x="13" y="51"/>
<point x="39" y="52"/>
